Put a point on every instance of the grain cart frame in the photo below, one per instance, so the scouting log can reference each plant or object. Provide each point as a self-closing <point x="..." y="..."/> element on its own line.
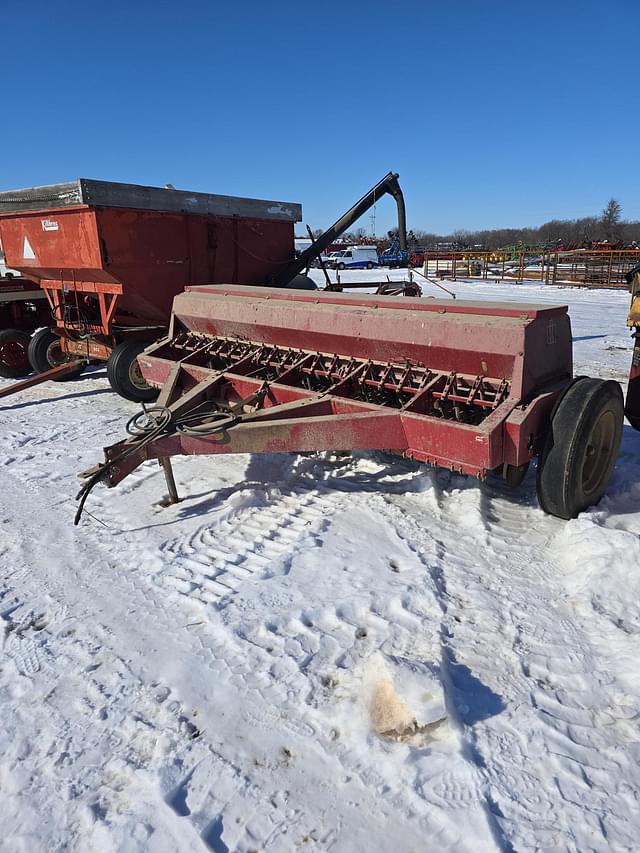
<point x="473" y="387"/>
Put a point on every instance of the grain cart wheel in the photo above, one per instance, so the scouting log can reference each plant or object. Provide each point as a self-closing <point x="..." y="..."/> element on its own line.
<point x="302" y="282"/>
<point x="124" y="374"/>
<point x="581" y="447"/>
<point x="14" y="360"/>
<point x="45" y="352"/>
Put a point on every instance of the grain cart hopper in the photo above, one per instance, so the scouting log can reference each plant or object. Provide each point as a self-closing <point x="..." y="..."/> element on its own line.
<point x="470" y="386"/>
<point x="110" y="258"/>
<point x="23" y="309"/>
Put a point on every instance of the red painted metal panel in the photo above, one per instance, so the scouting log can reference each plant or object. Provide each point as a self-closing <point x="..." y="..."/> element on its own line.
<point x="148" y="256"/>
<point x="62" y="245"/>
<point x="524" y="426"/>
<point x="518" y="310"/>
<point x="444" y="336"/>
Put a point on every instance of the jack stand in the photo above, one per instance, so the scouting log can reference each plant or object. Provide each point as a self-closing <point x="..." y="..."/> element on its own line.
<point x="172" y="497"/>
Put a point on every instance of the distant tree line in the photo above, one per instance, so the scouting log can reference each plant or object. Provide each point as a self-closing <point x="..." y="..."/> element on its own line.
<point x="567" y="233"/>
<point x="570" y="233"/>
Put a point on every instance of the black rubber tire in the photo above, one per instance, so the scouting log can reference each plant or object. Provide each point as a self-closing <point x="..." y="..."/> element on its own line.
<point x="14" y="348"/>
<point x="124" y="375"/>
<point x="302" y="282"/>
<point x="340" y="266"/>
<point x="633" y="420"/>
<point x="632" y="403"/>
<point x="369" y="265"/>
<point x="44" y="353"/>
<point x="580" y="448"/>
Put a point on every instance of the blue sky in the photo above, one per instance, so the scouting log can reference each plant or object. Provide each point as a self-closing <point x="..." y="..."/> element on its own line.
<point x="494" y="113"/>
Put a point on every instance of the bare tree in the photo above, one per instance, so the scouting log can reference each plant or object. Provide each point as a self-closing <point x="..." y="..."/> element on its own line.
<point x="557" y="233"/>
<point x="357" y="236"/>
<point x="611" y="218"/>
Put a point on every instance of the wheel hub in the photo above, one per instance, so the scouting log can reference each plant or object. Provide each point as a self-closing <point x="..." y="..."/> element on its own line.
<point x="598" y="452"/>
<point x="13" y="354"/>
<point x="55" y="356"/>
<point x="135" y="375"/>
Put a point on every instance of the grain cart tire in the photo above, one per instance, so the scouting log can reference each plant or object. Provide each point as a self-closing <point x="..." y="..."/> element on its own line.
<point x="302" y="282"/>
<point x="44" y="353"/>
<point x="581" y="447"/>
<point x="124" y="374"/>
<point x="14" y="359"/>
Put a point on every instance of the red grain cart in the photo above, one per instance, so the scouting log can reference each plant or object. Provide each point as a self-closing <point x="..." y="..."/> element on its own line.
<point x="23" y="309"/>
<point x="473" y="387"/>
<point x="110" y="258"/>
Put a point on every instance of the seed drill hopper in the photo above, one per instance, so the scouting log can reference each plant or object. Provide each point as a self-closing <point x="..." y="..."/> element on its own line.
<point x="470" y="386"/>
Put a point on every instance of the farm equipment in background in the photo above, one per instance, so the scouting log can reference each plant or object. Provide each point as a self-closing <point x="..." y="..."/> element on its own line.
<point x="380" y="288"/>
<point x="395" y="255"/>
<point x="23" y="309"/>
<point x="389" y="184"/>
<point x="110" y="258"/>
<point x="473" y="387"/>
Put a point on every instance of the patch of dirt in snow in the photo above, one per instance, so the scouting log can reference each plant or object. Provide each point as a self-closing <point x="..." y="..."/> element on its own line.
<point x="403" y="698"/>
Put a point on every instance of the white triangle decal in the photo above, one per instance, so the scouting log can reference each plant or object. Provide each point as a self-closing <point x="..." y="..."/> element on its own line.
<point x="27" y="252"/>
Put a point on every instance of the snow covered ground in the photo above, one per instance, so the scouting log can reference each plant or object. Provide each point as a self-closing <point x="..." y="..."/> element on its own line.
<point x="232" y="673"/>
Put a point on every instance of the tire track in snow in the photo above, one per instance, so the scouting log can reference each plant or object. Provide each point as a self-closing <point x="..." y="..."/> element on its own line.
<point x="278" y="667"/>
<point x="110" y="732"/>
<point x="255" y="532"/>
<point x="79" y="719"/>
<point x="549" y="670"/>
<point x="249" y="542"/>
<point x="530" y="643"/>
<point x="316" y="656"/>
<point x="510" y="630"/>
<point x="114" y="581"/>
<point x="459" y="789"/>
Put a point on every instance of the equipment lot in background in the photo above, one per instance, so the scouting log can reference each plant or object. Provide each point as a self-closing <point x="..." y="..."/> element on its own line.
<point x="203" y="674"/>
